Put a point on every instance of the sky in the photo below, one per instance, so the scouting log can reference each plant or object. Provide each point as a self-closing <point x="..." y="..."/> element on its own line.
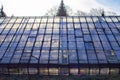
<point x="40" y="7"/>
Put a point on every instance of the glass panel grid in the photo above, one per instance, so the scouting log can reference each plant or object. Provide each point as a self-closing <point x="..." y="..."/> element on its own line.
<point x="60" y="41"/>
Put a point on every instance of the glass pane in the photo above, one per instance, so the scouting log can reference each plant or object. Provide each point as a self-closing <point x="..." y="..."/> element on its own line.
<point x="94" y="71"/>
<point x="53" y="71"/>
<point x="114" y="71"/>
<point x="43" y="71"/>
<point x="82" y="56"/>
<point x="84" y="71"/>
<point x="74" y="71"/>
<point x="104" y="71"/>
<point x="33" y="71"/>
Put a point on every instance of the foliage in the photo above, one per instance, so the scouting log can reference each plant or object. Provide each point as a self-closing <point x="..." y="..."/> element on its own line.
<point x="53" y="11"/>
<point x="81" y="13"/>
<point x="92" y="12"/>
<point x="95" y="12"/>
<point x="60" y="77"/>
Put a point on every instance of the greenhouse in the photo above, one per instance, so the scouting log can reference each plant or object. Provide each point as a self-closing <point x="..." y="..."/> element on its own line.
<point x="60" y="45"/>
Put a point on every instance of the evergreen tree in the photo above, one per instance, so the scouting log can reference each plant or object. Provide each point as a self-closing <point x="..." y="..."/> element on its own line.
<point x="2" y="13"/>
<point x="62" y="10"/>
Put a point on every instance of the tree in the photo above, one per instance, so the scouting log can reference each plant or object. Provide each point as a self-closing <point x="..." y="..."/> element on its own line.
<point x="95" y="12"/>
<point x="2" y="13"/>
<point x="62" y="10"/>
<point x="52" y="11"/>
<point x="111" y="13"/>
<point x="81" y="13"/>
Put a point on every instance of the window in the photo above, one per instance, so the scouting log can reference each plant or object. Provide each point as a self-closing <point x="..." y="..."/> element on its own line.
<point x="76" y="20"/>
<point x="70" y="31"/>
<point x="74" y="71"/>
<point x="6" y="20"/>
<point x="1" y="20"/>
<point x="114" y="71"/>
<point x="59" y="42"/>
<point x="71" y="38"/>
<point x="42" y="26"/>
<point x="23" y="70"/>
<point x="33" y="71"/>
<point x="91" y="56"/>
<point x="89" y="19"/>
<point x="101" y="56"/>
<point x="84" y="71"/>
<point x="44" y="56"/>
<point x="104" y="71"/>
<point x="84" y="26"/>
<point x="69" y="19"/>
<point x="95" y="38"/>
<point x="82" y="56"/>
<point x="98" y="45"/>
<point x="64" y="71"/>
<point x="50" y="20"/>
<point x="44" y="20"/>
<point x="54" y="57"/>
<point x="82" y="19"/>
<point x="73" y="59"/>
<point x="37" y="20"/>
<point x="80" y="45"/>
<point x="77" y="26"/>
<point x="56" y="31"/>
<point x="87" y="38"/>
<point x="85" y="31"/>
<point x="19" y="20"/>
<point x="47" y="38"/>
<point x="48" y="31"/>
<point x="110" y="55"/>
<point x="56" y="19"/>
<point x="89" y="45"/>
<point x="43" y="71"/>
<point x="13" y="70"/>
<point x="53" y="71"/>
<point x="108" y="19"/>
<point x="12" y="20"/>
<point x="55" y="43"/>
<point x="94" y="71"/>
<point x="31" y="20"/>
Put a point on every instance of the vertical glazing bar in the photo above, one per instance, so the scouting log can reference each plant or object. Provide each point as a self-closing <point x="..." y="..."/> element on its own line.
<point x="82" y="27"/>
<point x="76" y="45"/>
<point x="46" y="22"/>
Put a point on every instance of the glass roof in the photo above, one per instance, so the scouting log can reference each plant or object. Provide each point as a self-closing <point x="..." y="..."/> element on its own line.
<point x="60" y="40"/>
